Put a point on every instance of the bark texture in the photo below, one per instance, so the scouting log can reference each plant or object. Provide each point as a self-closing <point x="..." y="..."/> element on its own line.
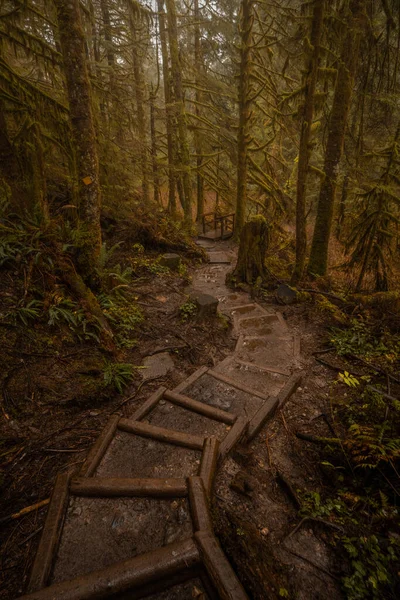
<point x="318" y="262"/>
<point x="254" y="241"/>
<point x="79" y="95"/>
<point x="176" y="73"/>
<point x="168" y="110"/>
<point x="246" y="25"/>
<point x="305" y="136"/>
<point x="198" y="65"/>
<point x="156" y="178"/>
<point x="141" y="115"/>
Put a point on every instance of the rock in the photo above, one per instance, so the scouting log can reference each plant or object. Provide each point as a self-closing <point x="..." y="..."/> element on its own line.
<point x="170" y="260"/>
<point x="207" y="305"/>
<point x="157" y="365"/>
<point x="286" y="294"/>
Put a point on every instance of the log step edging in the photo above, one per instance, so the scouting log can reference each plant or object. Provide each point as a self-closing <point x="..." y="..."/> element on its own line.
<point x="288" y="389"/>
<point x="100" y="447"/>
<point x="264" y="413"/>
<point x="149" y="405"/>
<point x="190" y="380"/>
<point x="237" y="384"/>
<point x="199" y="507"/>
<point x="237" y="432"/>
<point x="51" y="534"/>
<point x="208" y="463"/>
<point x="218" y="567"/>
<point x="126" y="575"/>
<point x="201" y="408"/>
<point x="110" y="487"/>
<point x="169" y="436"/>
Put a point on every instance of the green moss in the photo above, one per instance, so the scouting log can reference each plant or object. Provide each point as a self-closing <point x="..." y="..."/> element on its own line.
<point x="330" y="309"/>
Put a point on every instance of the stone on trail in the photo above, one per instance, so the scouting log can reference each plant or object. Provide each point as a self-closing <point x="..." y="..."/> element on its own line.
<point x="207" y="305"/>
<point x="170" y="260"/>
<point x="286" y="294"/>
<point x="157" y="365"/>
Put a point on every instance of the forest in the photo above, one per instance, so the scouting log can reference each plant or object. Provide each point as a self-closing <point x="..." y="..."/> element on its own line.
<point x="202" y="195"/>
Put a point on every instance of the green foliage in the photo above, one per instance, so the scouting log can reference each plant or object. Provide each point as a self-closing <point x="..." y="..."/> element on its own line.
<point x="188" y="310"/>
<point x="313" y="506"/>
<point x="371" y="445"/>
<point x="25" y="313"/>
<point x="363" y="340"/>
<point x="372" y="566"/>
<point x="118" y="375"/>
<point x="348" y="379"/>
<point x="23" y="241"/>
<point x="142" y="264"/>
<point x="64" y="311"/>
<point x="106" y="255"/>
<point x="124" y="316"/>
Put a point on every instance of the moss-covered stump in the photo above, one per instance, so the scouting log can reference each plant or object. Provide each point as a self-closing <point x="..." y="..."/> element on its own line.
<point x="254" y="241"/>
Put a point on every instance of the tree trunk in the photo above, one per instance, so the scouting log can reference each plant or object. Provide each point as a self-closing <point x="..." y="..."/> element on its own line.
<point x="198" y="67"/>
<point x="176" y="72"/>
<point x="168" y="110"/>
<point x="254" y="241"/>
<point x="246" y="26"/>
<point x="305" y="135"/>
<point x="10" y="168"/>
<point x="318" y="262"/>
<point x="156" y="179"/>
<point x="141" y="117"/>
<point x="81" y="117"/>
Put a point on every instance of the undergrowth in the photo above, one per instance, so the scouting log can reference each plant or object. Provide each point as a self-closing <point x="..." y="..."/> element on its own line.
<point x="362" y="463"/>
<point x="37" y="298"/>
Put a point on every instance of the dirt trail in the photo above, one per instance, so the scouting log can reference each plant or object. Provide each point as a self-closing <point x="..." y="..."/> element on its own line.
<point x="137" y="516"/>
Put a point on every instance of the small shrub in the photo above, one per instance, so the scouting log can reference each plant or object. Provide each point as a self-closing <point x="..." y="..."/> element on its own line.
<point x="188" y="310"/>
<point x="118" y="375"/>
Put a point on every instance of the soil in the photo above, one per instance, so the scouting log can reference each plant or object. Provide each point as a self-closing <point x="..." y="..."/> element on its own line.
<point x="55" y="404"/>
<point x="51" y="419"/>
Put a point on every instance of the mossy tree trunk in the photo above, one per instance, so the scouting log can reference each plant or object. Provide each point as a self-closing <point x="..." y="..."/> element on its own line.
<point x="318" y="262"/>
<point x="176" y="73"/>
<point x="23" y="174"/>
<point x="11" y="169"/>
<point x="81" y="117"/>
<point x="246" y="26"/>
<point x="198" y="66"/>
<point x="156" y="177"/>
<point x="141" y="115"/>
<point x="254" y="241"/>
<point x="168" y="110"/>
<point x="305" y="136"/>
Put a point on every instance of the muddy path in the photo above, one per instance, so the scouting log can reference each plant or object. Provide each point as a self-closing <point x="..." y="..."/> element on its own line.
<point x="181" y="493"/>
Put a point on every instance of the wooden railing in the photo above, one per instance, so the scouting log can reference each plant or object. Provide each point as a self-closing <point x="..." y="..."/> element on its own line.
<point x="214" y="221"/>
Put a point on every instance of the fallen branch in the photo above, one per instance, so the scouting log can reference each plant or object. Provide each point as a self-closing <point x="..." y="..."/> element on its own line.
<point x="382" y="393"/>
<point x="315" y="520"/>
<point x="327" y="294"/>
<point x="25" y="511"/>
<point x="325" y="351"/>
<point x="374" y="367"/>
<point x="317" y="440"/>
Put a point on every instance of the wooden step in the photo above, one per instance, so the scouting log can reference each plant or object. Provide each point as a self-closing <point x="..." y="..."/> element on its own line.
<point x="195" y="442"/>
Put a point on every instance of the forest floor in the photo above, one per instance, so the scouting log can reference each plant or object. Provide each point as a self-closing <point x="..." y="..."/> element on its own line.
<point x="55" y="404"/>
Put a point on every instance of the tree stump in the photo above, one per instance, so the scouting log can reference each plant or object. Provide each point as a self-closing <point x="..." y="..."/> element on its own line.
<point x="254" y="242"/>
